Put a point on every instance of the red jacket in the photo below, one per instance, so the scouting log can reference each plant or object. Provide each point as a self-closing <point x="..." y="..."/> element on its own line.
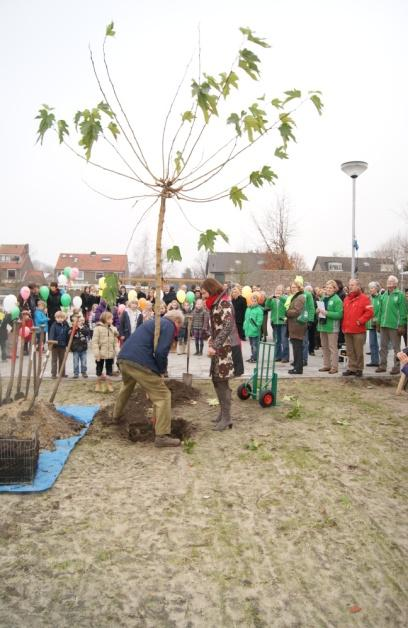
<point x="358" y="310"/>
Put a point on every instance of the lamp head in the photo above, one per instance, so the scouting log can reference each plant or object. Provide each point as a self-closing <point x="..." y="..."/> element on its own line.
<point x="354" y="168"/>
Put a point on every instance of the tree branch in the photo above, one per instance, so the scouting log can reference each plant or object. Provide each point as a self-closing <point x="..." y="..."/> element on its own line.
<point x="139" y="221"/>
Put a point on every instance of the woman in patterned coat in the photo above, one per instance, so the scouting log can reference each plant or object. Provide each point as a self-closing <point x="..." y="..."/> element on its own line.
<point x="223" y="347"/>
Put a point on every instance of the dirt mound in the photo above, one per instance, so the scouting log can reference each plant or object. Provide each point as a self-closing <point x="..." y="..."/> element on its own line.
<point x="44" y="419"/>
<point x="138" y="417"/>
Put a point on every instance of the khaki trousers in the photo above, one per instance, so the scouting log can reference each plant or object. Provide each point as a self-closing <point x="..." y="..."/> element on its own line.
<point x="155" y="387"/>
<point x="389" y="336"/>
<point x="330" y="349"/>
<point x="355" y="351"/>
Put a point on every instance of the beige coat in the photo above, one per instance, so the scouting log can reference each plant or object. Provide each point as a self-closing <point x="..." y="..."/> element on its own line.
<point x="104" y="341"/>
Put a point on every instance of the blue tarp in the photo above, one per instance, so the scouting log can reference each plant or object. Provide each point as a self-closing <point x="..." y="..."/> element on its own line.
<point x="51" y="463"/>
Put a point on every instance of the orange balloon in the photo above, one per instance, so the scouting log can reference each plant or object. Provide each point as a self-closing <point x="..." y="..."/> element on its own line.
<point x="249" y="299"/>
<point x="142" y="303"/>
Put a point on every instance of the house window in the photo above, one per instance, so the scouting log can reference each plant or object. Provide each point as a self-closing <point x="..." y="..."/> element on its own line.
<point x="106" y="259"/>
<point x="11" y="274"/>
<point x="335" y="266"/>
<point x="99" y="275"/>
<point x="80" y="276"/>
<point x="387" y="268"/>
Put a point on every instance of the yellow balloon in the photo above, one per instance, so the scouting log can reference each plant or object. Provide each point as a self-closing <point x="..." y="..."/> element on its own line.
<point x="181" y="296"/>
<point x="132" y="295"/>
<point x="248" y="299"/>
<point x="246" y="291"/>
<point x="102" y="283"/>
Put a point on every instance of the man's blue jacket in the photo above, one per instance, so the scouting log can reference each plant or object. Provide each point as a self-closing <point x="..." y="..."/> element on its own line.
<point x="139" y="346"/>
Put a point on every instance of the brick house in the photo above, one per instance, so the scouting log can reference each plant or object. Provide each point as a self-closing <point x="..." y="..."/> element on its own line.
<point x="226" y="266"/>
<point x="372" y="265"/>
<point x="15" y="262"/>
<point x="92" y="266"/>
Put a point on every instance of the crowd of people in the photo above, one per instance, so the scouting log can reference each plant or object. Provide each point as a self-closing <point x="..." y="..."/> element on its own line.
<point x="335" y="318"/>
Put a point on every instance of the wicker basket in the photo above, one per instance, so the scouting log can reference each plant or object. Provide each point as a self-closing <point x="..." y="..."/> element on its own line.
<point x="18" y="459"/>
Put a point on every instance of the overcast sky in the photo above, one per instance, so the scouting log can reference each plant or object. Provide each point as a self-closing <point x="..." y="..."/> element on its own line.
<point x="354" y="51"/>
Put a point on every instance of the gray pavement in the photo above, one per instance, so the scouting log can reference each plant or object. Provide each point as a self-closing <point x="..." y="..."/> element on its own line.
<point x="199" y="366"/>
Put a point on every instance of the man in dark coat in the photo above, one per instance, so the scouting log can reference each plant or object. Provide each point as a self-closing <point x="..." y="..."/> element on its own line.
<point x="141" y="364"/>
<point x="53" y="301"/>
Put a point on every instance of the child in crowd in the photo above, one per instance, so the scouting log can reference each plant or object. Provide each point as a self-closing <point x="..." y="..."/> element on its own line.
<point x="163" y="308"/>
<point x="198" y="326"/>
<point x="92" y="319"/>
<point x="146" y="314"/>
<point x="183" y="331"/>
<point x="41" y="320"/>
<point x="59" y="332"/>
<point x="79" y="348"/>
<point x="128" y="320"/>
<point x="104" y="347"/>
<point x="254" y="316"/>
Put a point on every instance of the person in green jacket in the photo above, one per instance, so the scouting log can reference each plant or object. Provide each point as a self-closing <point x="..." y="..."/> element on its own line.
<point x="253" y="325"/>
<point x="328" y="325"/>
<point x="276" y="306"/>
<point x="392" y="322"/>
<point x="372" y="326"/>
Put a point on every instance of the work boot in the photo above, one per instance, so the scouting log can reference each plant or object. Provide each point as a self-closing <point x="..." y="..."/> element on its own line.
<point x="381" y="369"/>
<point x="395" y="370"/>
<point x="222" y="425"/>
<point x="98" y="385"/>
<point x="166" y="440"/>
<point x="109" y="386"/>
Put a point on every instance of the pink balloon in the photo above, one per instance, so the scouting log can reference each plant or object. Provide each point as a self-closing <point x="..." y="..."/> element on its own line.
<point x="25" y="292"/>
<point x="74" y="273"/>
<point x="25" y="332"/>
<point x="121" y="308"/>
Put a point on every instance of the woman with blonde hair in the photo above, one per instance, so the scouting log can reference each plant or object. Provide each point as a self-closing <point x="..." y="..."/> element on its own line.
<point x="328" y="325"/>
<point x="296" y="328"/>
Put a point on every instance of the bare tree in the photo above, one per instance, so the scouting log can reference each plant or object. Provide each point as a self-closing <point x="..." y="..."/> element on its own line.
<point x="276" y="230"/>
<point x="142" y="261"/>
<point x="395" y="249"/>
<point x="199" y="265"/>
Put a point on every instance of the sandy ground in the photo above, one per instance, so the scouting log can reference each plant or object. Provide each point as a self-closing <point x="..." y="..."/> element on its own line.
<point x="296" y="517"/>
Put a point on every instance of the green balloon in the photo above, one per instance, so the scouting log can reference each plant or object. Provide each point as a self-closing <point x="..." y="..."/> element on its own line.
<point x="44" y="292"/>
<point x="190" y="297"/>
<point x="15" y="313"/>
<point x="67" y="271"/>
<point x="66" y="300"/>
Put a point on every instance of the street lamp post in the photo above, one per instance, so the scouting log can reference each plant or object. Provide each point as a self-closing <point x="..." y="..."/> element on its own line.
<point x="353" y="169"/>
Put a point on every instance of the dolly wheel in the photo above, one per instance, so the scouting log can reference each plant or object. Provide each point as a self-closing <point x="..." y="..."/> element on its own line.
<point x="266" y="398"/>
<point x="244" y="391"/>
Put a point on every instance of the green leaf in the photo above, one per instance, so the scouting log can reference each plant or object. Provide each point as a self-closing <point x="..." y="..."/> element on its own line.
<point x="317" y="103"/>
<point x="62" y="129"/>
<point x="207" y="239"/>
<point x="286" y="127"/>
<point x="228" y="81"/>
<point x="179" y="161"/>
<point x="237" y="196"/>
<point x="110" y="291"/>
<point x="291" y="94"/>
<point x="255" y="122"/>
<point x="268" y="174"/>
<point x="281" y="152"/>
<point x="110" y="32"/>
<point x="114" y="129"/>
<point x="248" y="61"/>
<point x="103" y="106"/>
<point x="212" y="82"/>
<point x="235" y="120"/>
<point x="257" y="177"/>
<point x="173" y="254"/>
<point x="187" y="116"/>
<point x="47" y="120"/>
<point x="77" y="118"/>
<point x="205" y="100"/>
<point x="276" y="102"/>
<point x="90" y="127"/>
<point x="256" y="40"/>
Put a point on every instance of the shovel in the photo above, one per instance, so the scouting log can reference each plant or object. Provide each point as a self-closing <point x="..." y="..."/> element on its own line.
<point x="30" y="361"/>
<point x="187" y="377"/>
<point x="40" y="374"/>
<point x="19" y="394"/>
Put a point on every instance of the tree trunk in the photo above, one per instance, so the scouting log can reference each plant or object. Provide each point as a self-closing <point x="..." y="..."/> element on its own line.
<point x="159" y="270"/>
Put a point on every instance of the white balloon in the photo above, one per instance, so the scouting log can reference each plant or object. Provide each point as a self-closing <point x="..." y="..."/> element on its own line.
<point x="77" y="302"/>
<point x="9" y="303"/>
<point x="62" y="280"/>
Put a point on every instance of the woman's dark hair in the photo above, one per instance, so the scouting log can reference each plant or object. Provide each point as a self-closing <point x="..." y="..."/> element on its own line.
<point x="340" y="285"/>
<point x="53" y="284"/>
<point x="212" y="286"/>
